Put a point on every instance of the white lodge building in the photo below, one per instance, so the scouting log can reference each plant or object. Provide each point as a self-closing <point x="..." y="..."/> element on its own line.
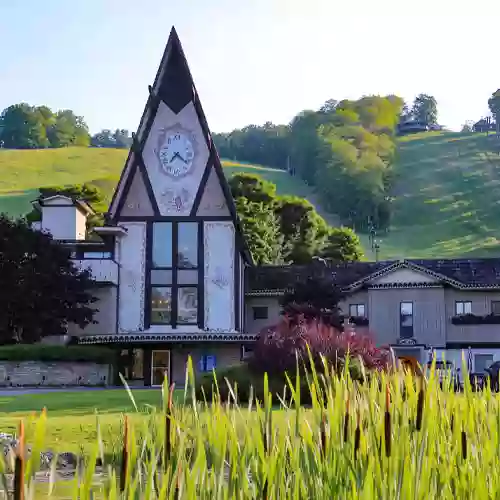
<point x="176" y="278"/>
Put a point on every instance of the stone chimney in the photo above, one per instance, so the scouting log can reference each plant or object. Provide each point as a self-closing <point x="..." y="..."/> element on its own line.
<point x="63" y="217"/>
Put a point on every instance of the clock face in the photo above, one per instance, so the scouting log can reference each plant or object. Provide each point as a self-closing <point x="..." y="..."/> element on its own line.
<point x="176" y="153"/>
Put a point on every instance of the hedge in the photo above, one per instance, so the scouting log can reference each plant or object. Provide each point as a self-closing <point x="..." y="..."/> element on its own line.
<point x="49" y="353"/>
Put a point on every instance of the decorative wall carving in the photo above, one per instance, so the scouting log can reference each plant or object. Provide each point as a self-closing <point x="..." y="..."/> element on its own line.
<point x="219" y="276"/>
<point x="213" y="201"/>
<point x="132" y="285"/>
<point x="175" y="194"/>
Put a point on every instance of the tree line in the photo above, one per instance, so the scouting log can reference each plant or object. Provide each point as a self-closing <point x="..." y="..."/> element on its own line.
<point x="346" y="149"/>
<point x="23" y="126"/>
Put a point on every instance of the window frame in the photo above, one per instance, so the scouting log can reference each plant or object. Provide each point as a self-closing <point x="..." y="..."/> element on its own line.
<point x="257" y="317"/>
<point x="406" y="331"/>
<point x="357" y="315"/>
<point x="463" y="303"/>
<point x="486" y="364"/>
<point x="492" y="308"/>
<point x="174" y="269"/>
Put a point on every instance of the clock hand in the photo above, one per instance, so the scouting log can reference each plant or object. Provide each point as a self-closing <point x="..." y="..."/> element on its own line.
<point x="179" y="156"/>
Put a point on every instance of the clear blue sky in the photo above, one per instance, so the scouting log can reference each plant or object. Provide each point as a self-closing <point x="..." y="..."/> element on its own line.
<point x="253" y="60"/>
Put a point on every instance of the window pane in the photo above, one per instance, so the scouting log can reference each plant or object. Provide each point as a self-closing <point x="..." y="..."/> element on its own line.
<point x="260" y="312"/>
<point x="188" y="245"/>
<point x="495" y="307"/>
<point x="161" y="277"/>
<point x="459" y="308"/>
<point x="467" y="307"/>
<point x="187" y="277"/>
<point x="482" y="361"/>
<point x="361" y="310"/>
<point x="161" y="305"/>
<point x="407" y="308"/>
<point x="353" y="310"/>
<point x="162" y="244"/>
<point x="187" y="305"/>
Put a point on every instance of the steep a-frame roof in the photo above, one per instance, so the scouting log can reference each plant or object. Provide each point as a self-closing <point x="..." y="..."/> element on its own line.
<point x="174" y="86"/>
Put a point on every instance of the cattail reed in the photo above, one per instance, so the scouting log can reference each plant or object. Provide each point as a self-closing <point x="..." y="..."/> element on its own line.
<point x="420" y="408"/>
<point x="357" y="435"/>
<point x="125" y="457"/>
<point x="346" y="420"/>
<point x="387" y="423"/>
<point x="19" y="465"/>
<point x="323" y="435"/>
<point x="168" y="425"/>
<point x="464" y="445"/>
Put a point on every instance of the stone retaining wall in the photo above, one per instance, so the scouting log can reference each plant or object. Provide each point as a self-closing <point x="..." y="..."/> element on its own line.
<point x="53" y="374"/>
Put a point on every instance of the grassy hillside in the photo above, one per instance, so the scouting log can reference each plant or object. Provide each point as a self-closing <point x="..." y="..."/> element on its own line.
<point x="447" y="197"/>
<point x="447" y="193"/>
<point x="22" y="172"/>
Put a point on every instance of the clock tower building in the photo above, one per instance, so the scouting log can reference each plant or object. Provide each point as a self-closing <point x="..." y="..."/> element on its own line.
<point x="180" y="251"/>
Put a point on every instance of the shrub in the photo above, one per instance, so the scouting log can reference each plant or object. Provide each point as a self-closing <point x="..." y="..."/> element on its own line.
<point x="275" y="351"/>
<point x="49" y="353"/>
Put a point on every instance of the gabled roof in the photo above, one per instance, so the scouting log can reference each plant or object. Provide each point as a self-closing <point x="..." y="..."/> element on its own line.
<point x="475" y="274"/>
<point x="175" y="87"/>
<point x="82" y="205"/>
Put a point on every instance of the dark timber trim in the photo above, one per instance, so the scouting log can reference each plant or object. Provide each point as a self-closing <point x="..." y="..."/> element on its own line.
<point x="169" y="218"/>
<point x="201" y="275"/>
<point x="175" y="259"/>
<point x="145" y="178"/>
<point x="126" y="187"/>
<point x="237" y="297"/>
<point x="201" y="188"/>
<point x="149" y="257"/>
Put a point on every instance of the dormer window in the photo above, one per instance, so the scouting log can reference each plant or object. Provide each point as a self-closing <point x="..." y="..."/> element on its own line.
<point x="174" y="273"/>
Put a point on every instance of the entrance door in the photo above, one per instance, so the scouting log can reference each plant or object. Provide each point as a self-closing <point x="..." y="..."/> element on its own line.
<point x="160" y="366"/>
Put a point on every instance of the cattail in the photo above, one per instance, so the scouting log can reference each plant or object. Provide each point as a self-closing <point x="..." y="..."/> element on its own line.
<point x="125" y="457"/>
<point x="168" y="425"/>
<point x="19" y="465"/>
<point x="177" y="493"/>
<point x="464" y="445"/>
<point x="420" y="409"/>
<point x="387" y="424"/>
<point x="264" y="490"/>
<point x="357" y="435"/>
<point x="323" y="435"/>
<point x="346" y="420"/>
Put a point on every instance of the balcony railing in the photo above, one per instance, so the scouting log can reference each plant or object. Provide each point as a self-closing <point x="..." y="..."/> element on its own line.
<point x="474" y="319"/>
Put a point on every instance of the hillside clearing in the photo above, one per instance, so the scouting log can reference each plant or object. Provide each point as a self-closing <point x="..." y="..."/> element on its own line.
<point x="23" y="172"/>
<point x="447" y="197"/>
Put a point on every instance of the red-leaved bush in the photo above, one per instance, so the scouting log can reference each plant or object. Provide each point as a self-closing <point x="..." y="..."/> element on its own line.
<point x="275" y="351"/>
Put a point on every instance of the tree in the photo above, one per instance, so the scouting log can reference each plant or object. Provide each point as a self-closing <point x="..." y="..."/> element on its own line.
<point x="120" y="138"/>
<point x="261" y="230"/>
<point x="22" y="127"/>
<point x="252" y="187"/>
<point x="342" y="245"/>
<point x="28" y="127"/>
<point x="494" y="105"/>
<point x="86" y="192"/>
<point x="424" y="109"/>
<point x="42" y="289"/>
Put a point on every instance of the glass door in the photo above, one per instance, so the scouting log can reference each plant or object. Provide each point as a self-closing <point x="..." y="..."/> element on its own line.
<point x="160" y="366"/>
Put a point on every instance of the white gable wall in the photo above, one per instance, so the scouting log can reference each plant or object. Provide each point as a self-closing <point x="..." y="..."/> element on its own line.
<point x="219" y="276"/>
<point x="167" y="189"/>
<point x="64" y="222"/>
<point x="131" y="258"/>
<point x="404" y="276"/>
